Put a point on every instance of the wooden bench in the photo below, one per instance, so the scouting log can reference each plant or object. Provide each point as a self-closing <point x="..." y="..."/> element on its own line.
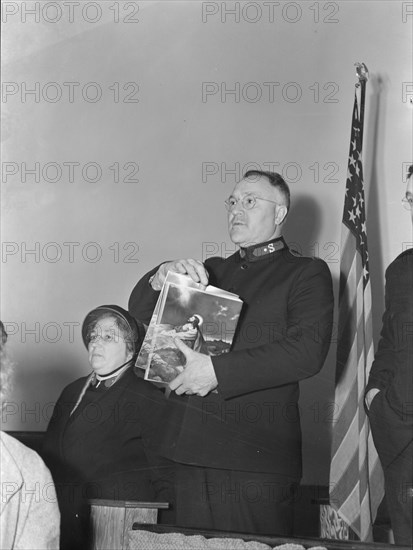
<point x="111" y="520"/>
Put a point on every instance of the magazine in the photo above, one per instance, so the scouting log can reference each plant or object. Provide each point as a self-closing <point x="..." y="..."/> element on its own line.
<point x="205" y="320"/>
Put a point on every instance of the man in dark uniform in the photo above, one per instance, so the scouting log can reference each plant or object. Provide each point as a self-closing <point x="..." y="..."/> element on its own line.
<point x="389" y="392"/>
<point x="233" y="422"/>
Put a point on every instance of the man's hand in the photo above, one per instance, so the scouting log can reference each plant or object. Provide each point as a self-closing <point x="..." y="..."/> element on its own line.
<point x="370" y="396"/>
<point x="194" y="268"/>
<point x="198" y="376"/>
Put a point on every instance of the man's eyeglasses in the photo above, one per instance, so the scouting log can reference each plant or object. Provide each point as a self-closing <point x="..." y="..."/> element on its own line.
<point x="407" y="203"/>
<point x="248" y="202"/>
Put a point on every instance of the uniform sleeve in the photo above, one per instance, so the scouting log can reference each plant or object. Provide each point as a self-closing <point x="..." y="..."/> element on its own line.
<point x="143" y="298"/>
<point x="301" y="351"/>
<point x="153" y="416"/>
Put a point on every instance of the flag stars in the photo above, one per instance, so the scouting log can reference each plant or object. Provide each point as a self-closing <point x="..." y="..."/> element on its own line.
<point x="358" y="169"/>
<point x="352" y="161"/>
<point x="361" y="200"/>
<point x="352" y="216"/>
<point x="358" y="211"/>
<point x="363" y="227"/>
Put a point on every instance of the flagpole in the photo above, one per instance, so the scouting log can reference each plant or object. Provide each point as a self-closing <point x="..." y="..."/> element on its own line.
<point x="362" y="75"/>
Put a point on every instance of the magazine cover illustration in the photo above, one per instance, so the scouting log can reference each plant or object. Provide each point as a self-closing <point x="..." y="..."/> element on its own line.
<point x="205" y="320"/>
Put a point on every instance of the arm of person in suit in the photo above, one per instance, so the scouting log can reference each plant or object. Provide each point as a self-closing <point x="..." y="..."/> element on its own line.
<point x="370" y="395"/>
<point x="392" y="369"/>
<point x="383" y="368"/>
<point x="382" y="371"/>
<point x="296" y="356"/>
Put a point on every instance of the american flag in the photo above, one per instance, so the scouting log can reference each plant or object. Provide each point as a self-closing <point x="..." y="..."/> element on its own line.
<point x="356" y="478"/>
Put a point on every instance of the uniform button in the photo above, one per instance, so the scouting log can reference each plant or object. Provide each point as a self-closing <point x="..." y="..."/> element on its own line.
<point x="244" y="266"/>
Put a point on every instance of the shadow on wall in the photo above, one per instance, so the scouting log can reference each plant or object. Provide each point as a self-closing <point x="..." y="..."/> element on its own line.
<point x="303" y="225"/>
<point x="36" y="389"/>
<point x="374" y="167"/>
<point x="317" y="410"/>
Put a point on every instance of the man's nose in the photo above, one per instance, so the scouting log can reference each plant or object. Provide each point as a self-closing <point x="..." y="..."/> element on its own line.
<point x="237" y="208"/>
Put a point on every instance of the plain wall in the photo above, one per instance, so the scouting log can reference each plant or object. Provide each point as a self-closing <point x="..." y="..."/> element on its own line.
<point x="178" y="135"/>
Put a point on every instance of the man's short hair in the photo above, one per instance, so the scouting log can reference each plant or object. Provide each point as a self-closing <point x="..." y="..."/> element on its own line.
<point x="410" y="171"/>
<point x="275" y="180"/>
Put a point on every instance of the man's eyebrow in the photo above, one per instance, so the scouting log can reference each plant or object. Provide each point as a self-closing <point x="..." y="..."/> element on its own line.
<point x="246" y="194"/>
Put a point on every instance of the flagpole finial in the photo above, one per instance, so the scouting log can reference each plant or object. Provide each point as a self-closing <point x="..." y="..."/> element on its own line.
<point x="362" y="72"/>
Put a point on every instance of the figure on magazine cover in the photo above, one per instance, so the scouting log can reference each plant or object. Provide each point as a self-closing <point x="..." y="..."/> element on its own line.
<point x="191" y="334"/>
<point x="29" y="514"/>
<point x="390" y="389"/>
<point x="233" y="420"/>
<point x="100" y="439"/>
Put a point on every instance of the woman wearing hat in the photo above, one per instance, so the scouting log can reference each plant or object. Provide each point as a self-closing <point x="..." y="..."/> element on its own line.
<point x="100" y="439"/>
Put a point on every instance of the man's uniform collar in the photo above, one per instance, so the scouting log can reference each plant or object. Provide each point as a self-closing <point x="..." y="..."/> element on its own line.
<point x="258" y="251"/>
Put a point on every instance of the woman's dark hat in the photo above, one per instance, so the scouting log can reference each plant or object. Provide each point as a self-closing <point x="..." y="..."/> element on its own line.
<point x="136" y="328"/>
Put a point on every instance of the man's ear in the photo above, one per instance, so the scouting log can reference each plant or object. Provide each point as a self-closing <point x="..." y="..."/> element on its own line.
<point x="281" y="214"/>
